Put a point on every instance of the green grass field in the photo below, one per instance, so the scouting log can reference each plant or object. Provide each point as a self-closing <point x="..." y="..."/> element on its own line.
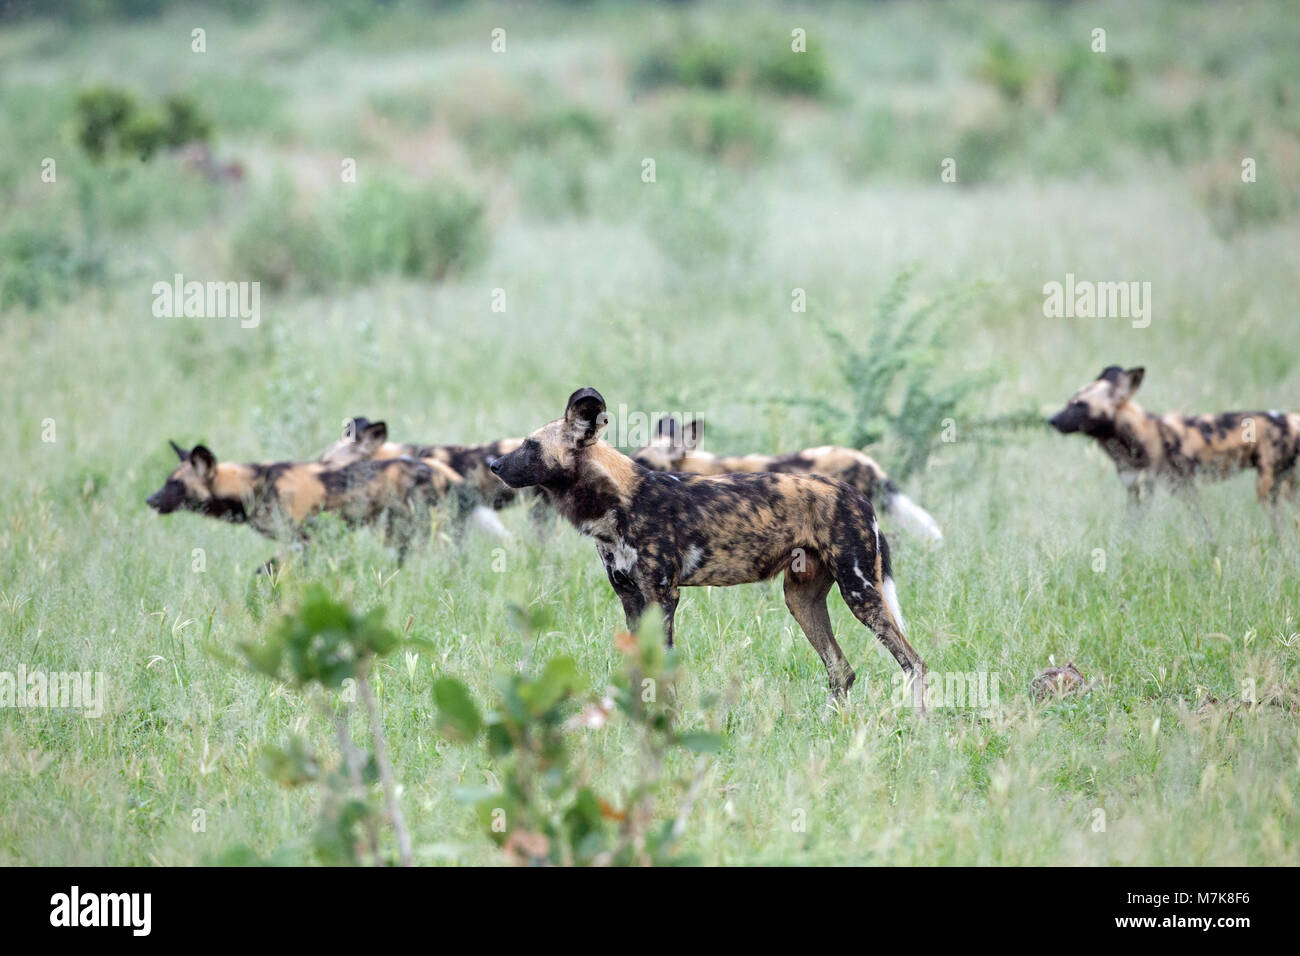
<point x="526" y="168"/>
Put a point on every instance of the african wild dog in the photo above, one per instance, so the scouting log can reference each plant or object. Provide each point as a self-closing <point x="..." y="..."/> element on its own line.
<point x="1176" y="449"/>
<point x="657" y="532"/>
<point x="676" y="448"/>
<point x="481" y="490"/>
<point x="279" y="499"/>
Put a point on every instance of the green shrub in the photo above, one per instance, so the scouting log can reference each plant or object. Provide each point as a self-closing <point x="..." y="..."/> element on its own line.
<point x="794" y="74"/>
<point x="376" y="228"/>
<point x="279" y="245"/>
<point x="692" y="61"/>
<point x="110" y="123"/>
<point x="39" y="264"/>
<point x="499" y="136"/>
<point x="730" y="127"/>
<point x="546" y="811"/>
<point x="894" y="393"/>
<point x="710" y="62"/>
<point x="1006" y="68"/>
<point x="427" y="231"/>
<point x="102" y="112"/>
<point x="327" y="647"/>
<point x="1085" y="75"/>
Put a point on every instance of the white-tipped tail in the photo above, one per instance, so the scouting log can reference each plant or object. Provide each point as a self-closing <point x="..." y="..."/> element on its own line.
<point x="890" y="594"/>
<point x="913" y="517"/>
<point x="486" y="520"/>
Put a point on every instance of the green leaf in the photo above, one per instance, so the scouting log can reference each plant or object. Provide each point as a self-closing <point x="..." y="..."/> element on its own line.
<point x="458" y="718"/>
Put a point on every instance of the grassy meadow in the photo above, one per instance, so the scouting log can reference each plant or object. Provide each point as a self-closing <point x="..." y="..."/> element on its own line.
<point x="517" y="178"/>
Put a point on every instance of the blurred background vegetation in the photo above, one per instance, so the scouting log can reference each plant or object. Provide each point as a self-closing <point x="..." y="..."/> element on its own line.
<point x="227" y="163"/>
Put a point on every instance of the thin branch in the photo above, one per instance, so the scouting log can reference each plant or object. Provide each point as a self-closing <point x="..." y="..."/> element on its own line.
<point x="385" y="771"/>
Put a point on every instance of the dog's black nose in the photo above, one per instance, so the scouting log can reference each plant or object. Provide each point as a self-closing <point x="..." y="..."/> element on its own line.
<point x="152" y="500"/>
<point x="495" y="466"/>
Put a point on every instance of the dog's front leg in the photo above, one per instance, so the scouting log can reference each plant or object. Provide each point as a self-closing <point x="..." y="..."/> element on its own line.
<point x="628" y="592"/>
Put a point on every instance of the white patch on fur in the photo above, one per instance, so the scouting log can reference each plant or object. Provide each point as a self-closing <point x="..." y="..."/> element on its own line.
<point x="486" y="520"/>
<point x="858" y="571"/>
<point x="691" y="561"/>
<point x="602" y="529"/>
<point x="624" y="556"/>
<point x="890" y="595"/>
<point x="913" y="517"/>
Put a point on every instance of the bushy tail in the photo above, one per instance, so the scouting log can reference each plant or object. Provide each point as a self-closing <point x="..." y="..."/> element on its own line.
<point x="911" y="515"/>
<point x="486" y="520"/>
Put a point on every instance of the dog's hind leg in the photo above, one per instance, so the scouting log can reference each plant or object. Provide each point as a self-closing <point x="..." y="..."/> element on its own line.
<point x="1190" y="495"/>
<point x="868" y="590"/>
<point x="805" y="596"/>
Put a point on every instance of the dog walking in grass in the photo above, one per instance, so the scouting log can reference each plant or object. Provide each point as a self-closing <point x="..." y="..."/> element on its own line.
<point x="279" y="499"/>
<point x="675" y="447"/>
<point x="658" y="532"/>
<point x="1176" y="450"/>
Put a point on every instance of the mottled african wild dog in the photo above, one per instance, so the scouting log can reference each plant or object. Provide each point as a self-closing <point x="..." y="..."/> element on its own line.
<point x="676" y="448"/>
<point x="278" y="499"/>
<point x="481" y="490"/>
<point x="1176" y="449"/>
<point x="657" y="532"/>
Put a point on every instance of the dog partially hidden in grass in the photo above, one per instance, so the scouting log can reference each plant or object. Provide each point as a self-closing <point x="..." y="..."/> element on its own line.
<point x="1175" y="450"/>
<point x="658" y="532"/>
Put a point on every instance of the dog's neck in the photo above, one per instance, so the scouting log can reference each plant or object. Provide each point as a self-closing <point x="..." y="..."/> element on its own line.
<point x="234" y="489"/>
<point x="1134" y="442"/>
<point x="602" y="482"/>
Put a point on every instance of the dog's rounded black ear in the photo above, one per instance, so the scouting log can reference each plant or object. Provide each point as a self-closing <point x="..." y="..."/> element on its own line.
<point x="586" y="414"/>
<point x="355" y="426"/>
<point x="694" y="433"/>
<point x="1111" y="373"/>
<point x="584" y="405"/>
<point x="666" y="427"/>
<point x="372" y="436"/>
<point x="204" y="462"/>
<point x="181" y="453"/>
<point x="1135" y="376"/>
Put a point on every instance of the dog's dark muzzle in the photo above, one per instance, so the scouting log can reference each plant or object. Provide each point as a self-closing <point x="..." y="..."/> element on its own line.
<point x="1067" y="420"/>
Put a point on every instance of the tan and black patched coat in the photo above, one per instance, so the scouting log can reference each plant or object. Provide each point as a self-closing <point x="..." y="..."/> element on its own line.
<point x="657" y="532"/>
<point x="278" y="499"/>
<point x="1180" y="449"/>
<point x="365" y="439"/>
<point x="674" y="448"/>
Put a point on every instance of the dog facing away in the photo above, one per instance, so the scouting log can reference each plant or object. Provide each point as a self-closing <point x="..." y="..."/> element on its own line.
<point x="1175" y="450"/>
<point x="481" y="494"/>
<point x="278" y="499"/>
<point x="657" y="532"/>
<point x="676" y="448"/>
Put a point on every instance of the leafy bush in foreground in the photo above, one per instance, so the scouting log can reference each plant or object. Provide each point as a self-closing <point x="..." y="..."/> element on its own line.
<point x="545" y="812"/>
<point x="327" y="645"/>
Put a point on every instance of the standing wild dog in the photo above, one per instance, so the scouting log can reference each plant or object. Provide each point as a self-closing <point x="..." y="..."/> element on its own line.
<point x="481" y="490"/>
<point x="1176" y="449"/>
<point x="657" y="532"/>
<point x="279" y="499"/>
<point x="675" y="448"/>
